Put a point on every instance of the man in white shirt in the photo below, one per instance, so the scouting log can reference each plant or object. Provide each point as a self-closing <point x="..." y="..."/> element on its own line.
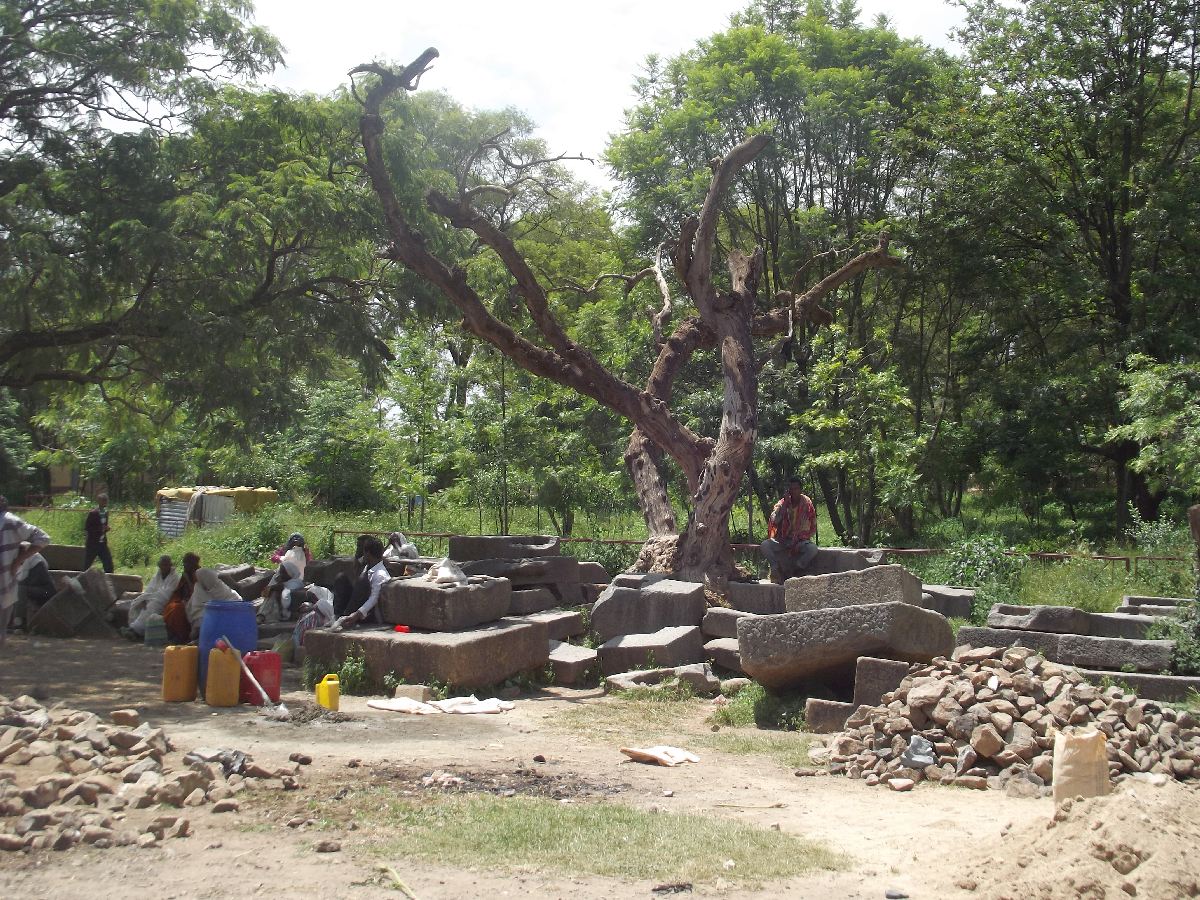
<point x="366" y="589"/>
<point x="14" y="531"/>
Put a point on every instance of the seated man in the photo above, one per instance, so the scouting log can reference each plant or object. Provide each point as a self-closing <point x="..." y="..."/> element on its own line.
<point x="34" y="586"/>
<point x="789" y="547"/>
<point x="370" y="581"/>
<point x="153" y="600"/>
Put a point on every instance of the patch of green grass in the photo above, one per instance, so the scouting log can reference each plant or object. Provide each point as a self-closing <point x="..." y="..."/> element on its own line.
<point x="788" y="748"/>
<point x="755" y="705"/>
<point x="604" y="839"/>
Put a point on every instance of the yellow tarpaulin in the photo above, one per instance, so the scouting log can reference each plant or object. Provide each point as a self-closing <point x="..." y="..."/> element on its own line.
<point x="245" y="499"/>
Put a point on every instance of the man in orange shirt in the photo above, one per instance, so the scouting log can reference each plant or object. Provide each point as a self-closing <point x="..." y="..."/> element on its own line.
<point x="789" y="547"/>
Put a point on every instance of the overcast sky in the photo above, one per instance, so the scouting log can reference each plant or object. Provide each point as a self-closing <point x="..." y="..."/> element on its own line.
<point x="568" y="65"/>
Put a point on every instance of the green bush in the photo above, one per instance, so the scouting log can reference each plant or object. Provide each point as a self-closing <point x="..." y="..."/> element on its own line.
<point x="352" y="674"/>
<point x="251" y="538"/>
<point x="1184" y="630"/>
<point x="755" y="705"/>
<point x="615" y="558"/>
<point x="138" y="545"/>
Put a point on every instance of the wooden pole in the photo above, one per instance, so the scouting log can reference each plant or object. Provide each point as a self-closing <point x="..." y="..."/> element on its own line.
<point x="1194" y="523"/>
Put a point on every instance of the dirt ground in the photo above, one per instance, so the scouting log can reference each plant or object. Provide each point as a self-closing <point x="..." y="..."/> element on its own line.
<point x="911" y="843"/>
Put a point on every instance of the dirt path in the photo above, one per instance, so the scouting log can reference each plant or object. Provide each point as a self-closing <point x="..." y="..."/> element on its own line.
<point x="909" y="842"/>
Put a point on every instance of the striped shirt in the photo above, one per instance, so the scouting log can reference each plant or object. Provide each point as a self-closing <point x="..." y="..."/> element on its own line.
<point x="13" y="531"/>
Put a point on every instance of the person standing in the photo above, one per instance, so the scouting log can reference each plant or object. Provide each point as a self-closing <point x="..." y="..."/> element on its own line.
<point x="95" y="528"/>
<point x="789" y="546"/>
<point x="13" y="531"/>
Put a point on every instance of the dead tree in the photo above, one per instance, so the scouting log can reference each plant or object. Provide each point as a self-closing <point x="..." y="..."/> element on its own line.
<point x="727" y="321"/>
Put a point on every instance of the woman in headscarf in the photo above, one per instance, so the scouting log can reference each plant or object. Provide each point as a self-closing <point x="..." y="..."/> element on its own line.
<point x="316" y="611"/>
<point x="399" y="548"/>
<point x="209" y="586"/>
<point x="153" y="600"/>
<point x="289" y="577"/>
<point x="175" y="616"/>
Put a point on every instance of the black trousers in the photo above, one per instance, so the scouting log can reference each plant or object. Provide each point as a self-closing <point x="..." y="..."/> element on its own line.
<point x="92" y="552"/>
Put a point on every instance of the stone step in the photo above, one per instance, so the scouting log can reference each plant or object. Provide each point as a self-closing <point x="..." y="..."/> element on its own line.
<point x="755" y="597"/>
<point x="1168" y="688"/>
<point x="723" y="652"/>
<point x="677" y="645"/>
<point x="1068" y="620"/>
<point x="570" y="663"/>
<point x="560" y="623"/>
<point x="659" y="604"/>
<point x="1077" y="650"/>
<point x="720" y="622"/>
<point x="474" y="658"/>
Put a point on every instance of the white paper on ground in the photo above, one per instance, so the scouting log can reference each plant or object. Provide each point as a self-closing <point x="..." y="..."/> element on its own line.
<point x="460" y="705"/>
<point x="404" y="705"/>
<point x="663" y="756"/>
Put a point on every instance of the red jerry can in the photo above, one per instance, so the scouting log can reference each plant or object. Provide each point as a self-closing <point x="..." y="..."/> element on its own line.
<point x="267" y="667"/>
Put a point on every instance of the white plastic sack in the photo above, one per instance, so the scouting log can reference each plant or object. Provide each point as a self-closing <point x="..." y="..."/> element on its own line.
<point x="404" y="705"/>
<point x="446" y="571"/>
<point x="470" y="706"/>
<point x="1080" y="765"/>
<point x="663" y="756"/>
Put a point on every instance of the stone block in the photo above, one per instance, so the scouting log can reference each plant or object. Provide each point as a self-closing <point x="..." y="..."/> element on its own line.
<point x="64" y="556"/>
<point x="1147" y="610"/>
<point x="251" y="587"/>
<point x="560" y="574"/>
<point x="840" y="559"/>
<point x="69" y="613"/>
<point x="422" y="693"/>
<point x="874" y="677"/>
<point x="826" y="716"/>
<point x="720" y="622"/>
<point x="1114" y="653"/>
<point x="723" y="652"/>
<point x="465" y="548"/>
<point x="637" y="579"/>
<point x="1167" y="688"/>
<point x="755" y="597"/>
<point x="593" y="573"/>
<point x="325" y="571"/>
<point x="951" y="602"/>
<point x="1043" y="642"/>
<point x="427" y="605"/>
<point x="660" y="604"/>
<point x="1137" y="600"/>
<point x="474" y="658"/>
<point x="1054" y="619"/>
<point x="570" y="663"/>
<point x="877" y="584"/>
<point x="590" y="593"/>
<point x="1119" y="626"/>
<point x="698" y="676"/>
<point x="531" y="600"/>
<point x="671" y="646"/>
<point x="560" y="623"/>
<point x="122" y="583"/>
<point x="98" y="589"/>
<point x="232" y="574"/>
<point x="790" y="649"/>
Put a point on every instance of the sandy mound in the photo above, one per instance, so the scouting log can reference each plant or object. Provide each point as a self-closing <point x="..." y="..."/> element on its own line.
<point x="1139" y="841"/>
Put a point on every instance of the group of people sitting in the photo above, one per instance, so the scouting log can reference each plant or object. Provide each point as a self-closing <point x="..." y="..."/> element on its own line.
<point x="180" y="597"/>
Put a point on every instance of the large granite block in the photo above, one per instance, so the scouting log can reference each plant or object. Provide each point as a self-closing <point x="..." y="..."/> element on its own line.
<point x="64" y="556"/>
<point x="723" y="652"/>
<point x="465" y="548"/>
<point x="570" y="663"/>
<point x="637" y="579"/>
<point x="1119" y="626"/>
<point x="826" y="716"/>
<point x="840" y="559"/>
<point x="1054" y="619"/>
<point x="123" y="583"/>
<point x="951" y="602"/>
<point x="325" y="571"/>
<point x="1043" y="642"/>
<point x="98" y="589"/>
<point x="1114" y="653"/>
<point x="877" y="584"/>
<point x="788" y="650"/>
<point x="1145" y="609"/>
<point x="593" y="572"/>
<point x="251" y="587"/>
<point x="874" y="677"/>
<point x="475" y="658"/>
<point x="1169" y="688"/>
<point x="531" y="600"/>
<point x="755" y="597"/>
<point x="423" y="604"/>
<point x="1136" y="600"/>
<point x="674" y="646"/>
<point x="559" y="574"/>
<point x="720" y="622"/>
<point x="662" y="603"/>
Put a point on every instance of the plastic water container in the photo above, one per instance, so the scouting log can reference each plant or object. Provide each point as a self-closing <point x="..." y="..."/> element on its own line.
<point x="224" y="677"/>
<point x="234" y="619"/>
<point x="179" y="672"/>
<point x="267" y="668"/>
<point x="156" y="632"/>
<point x="329" y="692"/>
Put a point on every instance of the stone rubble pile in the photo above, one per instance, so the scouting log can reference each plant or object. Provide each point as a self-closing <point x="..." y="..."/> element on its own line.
<point x="67" y="778"/>
<point x="987" y="718"/>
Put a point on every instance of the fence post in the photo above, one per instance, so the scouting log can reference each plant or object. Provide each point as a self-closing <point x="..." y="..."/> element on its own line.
<point x="1194" y="522"/>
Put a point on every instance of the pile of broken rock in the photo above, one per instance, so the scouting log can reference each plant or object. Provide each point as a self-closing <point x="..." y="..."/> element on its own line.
<point x="68" y="778"/>
<point x="987" y="717"/>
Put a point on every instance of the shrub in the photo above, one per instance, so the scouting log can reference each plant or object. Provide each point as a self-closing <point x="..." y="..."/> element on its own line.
<point x="138" y="545"/>
<point x="1184" y="630"/>
<point x="251" y="538"/>
<point x="755" y="705"/>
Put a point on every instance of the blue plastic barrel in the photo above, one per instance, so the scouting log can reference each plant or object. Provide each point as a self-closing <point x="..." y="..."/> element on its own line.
<point x="234" y="619"/>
